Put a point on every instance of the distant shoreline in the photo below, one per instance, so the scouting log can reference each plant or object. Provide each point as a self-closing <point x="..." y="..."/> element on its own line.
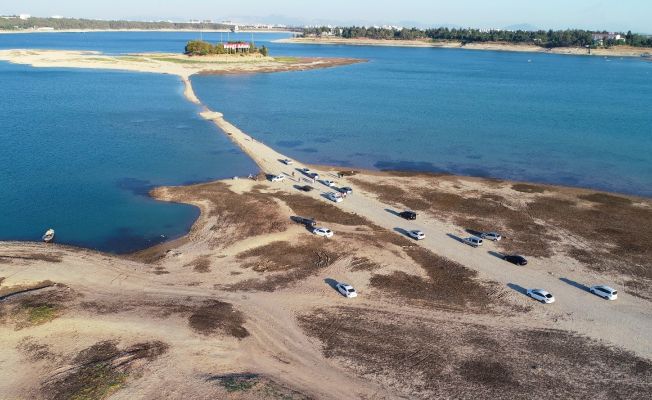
<point x="138" y="30"/>
<point x="617" y="51"/>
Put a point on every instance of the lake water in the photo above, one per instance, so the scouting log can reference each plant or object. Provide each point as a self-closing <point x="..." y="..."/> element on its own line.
<point x="82" y="148"/>
<point x="576" y="121"/>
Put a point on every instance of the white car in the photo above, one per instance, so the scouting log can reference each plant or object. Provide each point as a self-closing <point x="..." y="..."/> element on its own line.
<point x="325" y="232"/>
<point x="305" y="171"/>
<point x="418" y="235"/>
<point x="277" y="178"/>
<point x="336" y="197"/>
<point x="346" y="290"/>
<point x="328" y="182"/>
<point x="473" y="241"/>
<point x="541" y="295"/>
<point x="287" y="161"/>
<point x="493" y="236"/>
<point x="605" y="292"/>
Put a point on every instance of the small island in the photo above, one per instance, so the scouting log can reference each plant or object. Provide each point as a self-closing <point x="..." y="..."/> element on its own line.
<point x="203" y="48"/>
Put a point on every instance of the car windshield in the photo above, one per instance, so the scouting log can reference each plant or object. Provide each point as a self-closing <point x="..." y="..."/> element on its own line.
<point x="351" y="290"/>
<point x="614" y="292"/>
<point x="548" y="295"/>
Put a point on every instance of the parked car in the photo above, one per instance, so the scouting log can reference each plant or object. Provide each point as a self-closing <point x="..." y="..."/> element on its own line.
<point x="346" y="190"/>
<point x="325" y="232"/>
<point x="277" y="178"/>
<point x="305" y="188"/>
<point x="309" y="222"/>
<point x="305" y="170"/>
<point x="418" y="235"/>
<point x="328" y="182"/>
<point x="314" y="175"/>
<point x="411" y="215"/>
<point x="336" y="197"/>
<point x="346" y="290"/>
<point x="287" y="161"/>
<point x="473" y="241"/>
<point x="541" y="295"/>
<point x="493" y="236"/>
<point x="605" y="292"/>
<point x="515" y="259"/>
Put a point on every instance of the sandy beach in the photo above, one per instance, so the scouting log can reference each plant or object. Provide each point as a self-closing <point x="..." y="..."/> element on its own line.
<point x="617" y="51"/>
<point x="245" y="306"/>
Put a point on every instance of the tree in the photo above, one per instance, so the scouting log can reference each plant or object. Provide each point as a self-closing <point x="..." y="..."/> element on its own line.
<point x="198" y="48"/>
<point x="264" y="51"/>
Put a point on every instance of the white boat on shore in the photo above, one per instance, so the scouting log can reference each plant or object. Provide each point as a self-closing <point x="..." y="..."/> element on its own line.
<point x="48" y="236"/>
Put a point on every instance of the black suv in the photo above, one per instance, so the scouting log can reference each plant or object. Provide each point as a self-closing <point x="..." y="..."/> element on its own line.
<point x="408" y="215"/>
<point x="514" y="259"/>
<point x="309" y="222"/>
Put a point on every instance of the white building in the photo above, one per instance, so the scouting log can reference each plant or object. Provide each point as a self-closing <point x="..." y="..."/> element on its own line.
<point x="601" y="37"/>
<point x="24" y="16"/>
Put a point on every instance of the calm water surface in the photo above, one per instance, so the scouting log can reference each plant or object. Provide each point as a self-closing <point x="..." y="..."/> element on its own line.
<point x="82" y="148"/>
<point x="576" y="121"/>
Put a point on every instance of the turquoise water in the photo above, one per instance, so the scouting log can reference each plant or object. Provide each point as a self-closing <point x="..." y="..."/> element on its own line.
<point x="567" y="120"/>
<point x="81" y="149"/>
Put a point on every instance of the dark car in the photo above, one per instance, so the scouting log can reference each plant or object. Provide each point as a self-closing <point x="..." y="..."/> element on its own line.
<point x="346" y="190"/>
<point x="309" y="222"/>
<point x="514" y="259"/>
<point x="408" y="215"/>
<point x="305" y="188"/>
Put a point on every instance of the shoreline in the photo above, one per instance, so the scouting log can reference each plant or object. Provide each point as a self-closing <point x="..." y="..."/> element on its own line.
<point x="266" y="157"/>
<point x="8" y="32"/>
<point x="616" y="51"/>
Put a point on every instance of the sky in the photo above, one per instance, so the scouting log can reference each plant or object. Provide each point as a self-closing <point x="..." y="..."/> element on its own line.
<point x="613" y="15"/>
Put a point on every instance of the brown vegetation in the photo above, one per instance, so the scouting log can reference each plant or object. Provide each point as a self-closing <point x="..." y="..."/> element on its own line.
<point x="449" y="284"/>
<point x="100" y="370"/>
<point x="424" y="358"/>
<point x="236" y="216"/>
<point x="201" y="264"/>
<point x="320" y="211"/>
<point x="47" y="257"/>
<point x="605" y="232"/>
<point x="284" y="263"/>
<point x="216" y="316"/>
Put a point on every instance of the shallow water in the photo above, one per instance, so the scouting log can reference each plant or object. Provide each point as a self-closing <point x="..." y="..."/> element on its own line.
<point x="81" y="149"/>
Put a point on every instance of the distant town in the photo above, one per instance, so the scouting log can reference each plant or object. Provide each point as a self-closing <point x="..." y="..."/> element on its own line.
<point x="543" y="38"/>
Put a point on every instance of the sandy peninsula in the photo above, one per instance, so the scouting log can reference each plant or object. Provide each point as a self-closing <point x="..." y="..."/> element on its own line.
<point x="246" y="307"/>
<point x="616" y="51"/>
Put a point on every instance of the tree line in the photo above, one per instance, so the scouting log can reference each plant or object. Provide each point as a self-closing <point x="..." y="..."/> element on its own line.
<point x="549" y="39"/>
<point x="203" y="48"/>
<point x="74" y="23"/>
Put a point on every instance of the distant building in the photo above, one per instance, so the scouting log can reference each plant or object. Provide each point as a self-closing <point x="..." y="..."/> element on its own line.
<point x="237" y="46"/>
<point x="601" y="37"/>
<point x="195" y="21"/>
<point x="24" y="16"/>
<point x="57" y="17"/>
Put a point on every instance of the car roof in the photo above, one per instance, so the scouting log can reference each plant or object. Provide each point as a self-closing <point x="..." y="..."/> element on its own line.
<point x="541" y="291"/>
<point x="606" y="287"/>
